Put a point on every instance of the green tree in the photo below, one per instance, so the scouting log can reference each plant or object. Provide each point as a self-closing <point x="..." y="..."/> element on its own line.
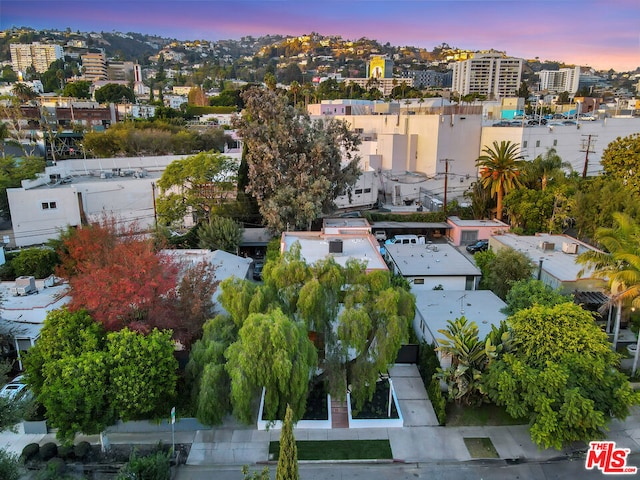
<point x="200" y="183"/>
<point x="529" y="292"/>
<point x="274" y="352"/>
<point x="500" y="169"/>
<point x="221" y="233"/>
<point x="13" y="171"/>
<point x="288" y="458"/>
<point x="620" y="160"/>
<point x="469" y="358"/>
<point x="9" y="466"/>
<point x="39" y="262"/>
<point x="79" y="89"/>
<point x="156" y="466"/>
<point x="530" y="210"/>
<point x="24" y="92"/>
<point x="295" y="164"/>
<point x="505" y="269"/>
<point x="114" y="93"/>
<point x="523" y="91"/>
<point x="619" y="264"/>
<point x="562" y="376"/>
<point x="142" y="373"/>
<point x="597" y="199"/>
<point x="544" y="168"/>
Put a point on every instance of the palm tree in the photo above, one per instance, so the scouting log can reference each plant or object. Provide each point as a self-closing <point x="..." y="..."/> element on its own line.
<point x="500" y="169"/>
<point x="619" y="265"/>
<point x="545" y="167"/>
<point x="24" y="92"/>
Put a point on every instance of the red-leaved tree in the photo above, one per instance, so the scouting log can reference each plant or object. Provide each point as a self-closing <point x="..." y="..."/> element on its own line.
<point x="117" y="276"/>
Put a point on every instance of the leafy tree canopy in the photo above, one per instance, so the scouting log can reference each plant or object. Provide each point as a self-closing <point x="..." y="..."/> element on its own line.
<point x="200" y="184"/>
<point x="504" y="269"/>
<point x="79" y="89"/>
<point x="295" y="165"/>
<point x="221" y="233"/>
<point x="526" y="293"/>
<point x="620" y="160"/>
<point x="114" y="93"/>
<point x="561" y="376"/>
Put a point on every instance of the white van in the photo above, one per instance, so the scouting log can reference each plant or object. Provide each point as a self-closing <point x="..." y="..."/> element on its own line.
<point x="405" y="240"/>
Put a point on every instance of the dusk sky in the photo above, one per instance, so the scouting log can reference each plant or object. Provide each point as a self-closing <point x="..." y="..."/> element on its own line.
<point x="599" y="33"/>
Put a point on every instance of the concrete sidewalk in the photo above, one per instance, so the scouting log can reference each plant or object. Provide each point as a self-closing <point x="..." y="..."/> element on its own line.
<point x="420" y="440"/>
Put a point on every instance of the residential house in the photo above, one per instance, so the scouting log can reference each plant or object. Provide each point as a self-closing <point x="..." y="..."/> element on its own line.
<point x="432" y="266"/>
<point x="467" y="232"/>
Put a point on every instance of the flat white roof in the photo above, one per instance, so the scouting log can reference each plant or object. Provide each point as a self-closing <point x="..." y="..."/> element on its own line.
<point x="346" y="222"/>
<point x="32" y="308"/>
<point x="227" y="264"/>
<point x="314" y="246"/>
<point x="431" y="260"/>
<point x="556" y="263"/>
<point x="477" y="223"/>
<point x="480" y="306"/>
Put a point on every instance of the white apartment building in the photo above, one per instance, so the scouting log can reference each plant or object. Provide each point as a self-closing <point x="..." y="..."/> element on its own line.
<point x="491" y="74"/>
<point x="558" y="81"/>
<point x="94" y="66"/>
<point x="36" y="55"/>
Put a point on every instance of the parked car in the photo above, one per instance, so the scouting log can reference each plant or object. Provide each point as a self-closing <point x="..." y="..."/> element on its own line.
<point x="587" y="118"/>
<point x="479" y="246"/>
<point x="257" y="269"/>
<point x="380" y="235"/>
<point x="15" y="389"/>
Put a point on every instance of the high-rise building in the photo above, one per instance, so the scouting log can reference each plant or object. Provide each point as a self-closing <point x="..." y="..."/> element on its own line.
<point x="428" y="78"/>
<point x="492" y="74"/>
<point x="36" y="55"/>
<point x="94" y="66"/>
<point x="558" y="81"/>
<point x="380" y="67"/>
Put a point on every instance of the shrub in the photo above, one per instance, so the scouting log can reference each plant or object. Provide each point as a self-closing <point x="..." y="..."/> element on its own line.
<point x="66" y="452"/>
<point x="48" y="451"/>
<point x="53" y="471"/>
<point x="437" y="400"/>
<point x="82" y="450"/>
<point x="428" y="362"/>
<point x="152" y="467"/>
<point x="9" y="465"/>
<point x="30" y="451"/>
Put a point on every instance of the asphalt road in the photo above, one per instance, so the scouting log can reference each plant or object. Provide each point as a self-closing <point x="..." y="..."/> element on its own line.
<point x="499" y="470"/>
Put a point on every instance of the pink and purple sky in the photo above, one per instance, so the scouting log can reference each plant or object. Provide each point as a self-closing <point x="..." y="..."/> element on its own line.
<point x="602" y="34"/>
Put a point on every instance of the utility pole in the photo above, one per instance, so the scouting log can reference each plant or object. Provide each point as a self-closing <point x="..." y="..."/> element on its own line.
<point x="446" y="180"/>
<point x="155" y="211"/>
<point x="587" y="148"/>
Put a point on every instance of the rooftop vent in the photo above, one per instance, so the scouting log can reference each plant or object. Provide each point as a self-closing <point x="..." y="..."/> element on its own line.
<point x="570" y="248"/>
<point x="335" y="246"/>
<point x="547" y="246"/>
<point x="24" y="286"/>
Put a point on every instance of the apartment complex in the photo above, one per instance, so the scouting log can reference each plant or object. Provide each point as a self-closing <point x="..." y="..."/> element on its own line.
<point x="492" y="74"/>
<point x="94" y="66"/>
<point x="428" y="78"/>
<point x="558" y="81"/>
<point x="36" y="55"/>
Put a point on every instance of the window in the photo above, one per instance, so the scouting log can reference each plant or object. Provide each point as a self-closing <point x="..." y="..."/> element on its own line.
<point x="358" y="191"/>
<point x="367" y="190"/>
<point x="418" y="281"/>
<point x="555" y="143"/>
<point x="524" y="144"/>
<point x="537" y="143"/>
<point x="49" y="205"/>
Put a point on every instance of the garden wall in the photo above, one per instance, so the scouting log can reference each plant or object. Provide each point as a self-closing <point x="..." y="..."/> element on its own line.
<point x="377" y="422"/>
<point x="277" y="425"/>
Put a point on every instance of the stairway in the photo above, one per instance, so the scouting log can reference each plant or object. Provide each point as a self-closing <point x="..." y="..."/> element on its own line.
<point x="339" y="415"/>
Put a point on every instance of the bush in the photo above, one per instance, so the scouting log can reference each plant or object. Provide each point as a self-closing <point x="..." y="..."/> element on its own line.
<point x="9" y="465"/>
<point x="82" y="450"/>
<point x="53" y="471"/>
<point x="66" y="452"/>
<point x="30" y="451"/>
<point x="48" y="451"/>
<point x="428" y="362"/>
<point x="437" y="400"/>
<point x="152" y="467"/>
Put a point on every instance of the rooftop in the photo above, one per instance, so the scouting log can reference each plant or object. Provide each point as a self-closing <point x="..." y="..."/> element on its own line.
<point x="315" y="246"/>
<point x="32" y="308"/>
<point x="226" y="264"/>
<point x="480" y="306"/>
<point x="431" y="260"/>
<point x="562" y="266"/>
<point x="477" y="223"/>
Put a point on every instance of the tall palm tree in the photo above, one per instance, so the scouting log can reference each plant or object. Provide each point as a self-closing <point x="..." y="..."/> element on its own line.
<point x="24" y="92"/>
<point x="500" y="169"/>
<point x="619" y="265"/>
<point x="545" y="167"/>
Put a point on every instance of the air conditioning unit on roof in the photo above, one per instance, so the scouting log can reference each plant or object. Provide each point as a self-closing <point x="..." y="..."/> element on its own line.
<point x="547" y="246"/>
<point x="570" y="247"/>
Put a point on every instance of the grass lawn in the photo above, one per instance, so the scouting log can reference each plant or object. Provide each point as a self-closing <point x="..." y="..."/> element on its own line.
<point x="337" y="450"/>
<point x="485" y="415"/>
<point x="481" y="448"/>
